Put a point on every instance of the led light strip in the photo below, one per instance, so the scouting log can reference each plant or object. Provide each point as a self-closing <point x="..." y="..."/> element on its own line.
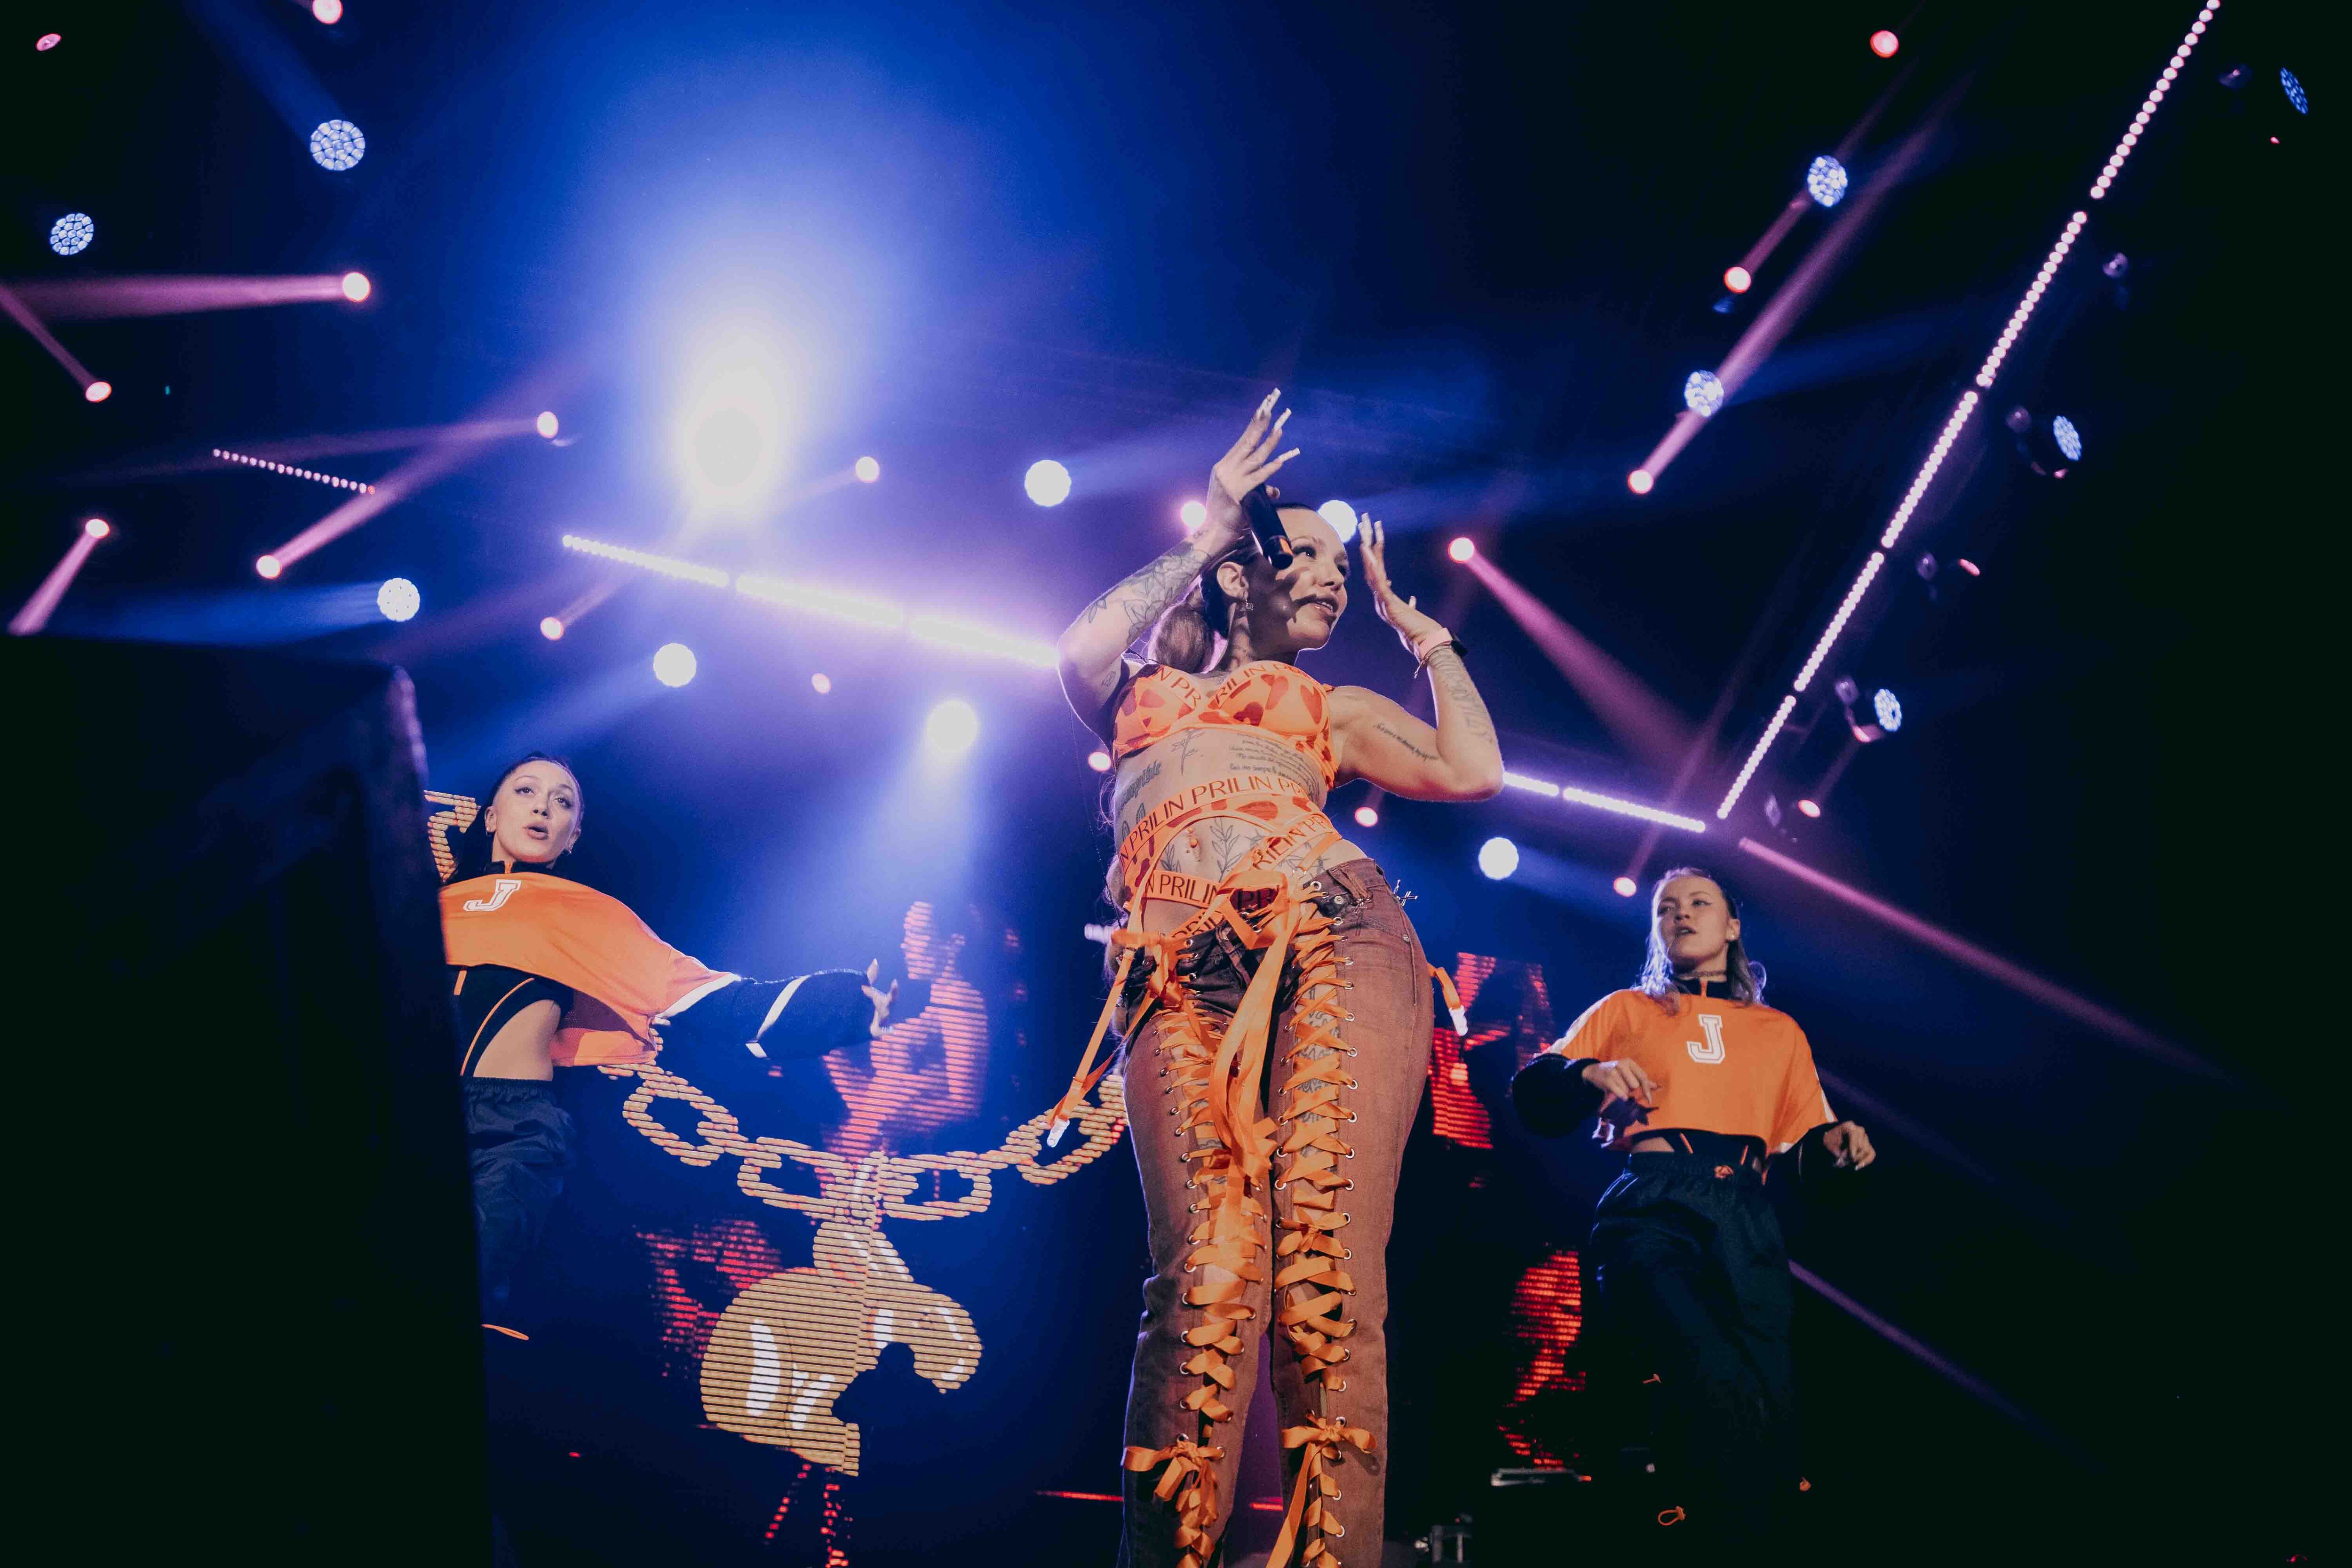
<point x="292" y="472"/>
<point x="1608" y="803"/>
<point x="1967" y="407"/>
<point x="834" y="604"/>
<point x="667" y="565"/>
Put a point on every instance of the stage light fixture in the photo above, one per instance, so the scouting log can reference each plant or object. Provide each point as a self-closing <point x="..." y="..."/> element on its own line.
<point x="2294" y="91"/>
<point x="1825" y="181"/>
<point x="1461" y="548"/>
<point x="1366" y="817"/>
<point x="328" y="11"/>
<point x="547" y="424"/>
<point x="868" y="469"/>
<point x="356" y="286"/>
<point x="674" y="664"/>
<point x="1625" y="887"/>
<point x="269" y="566"/>
<point x="1702" y="393"/>
<point x="1738" y="279"/>
<point x="1889" y="708"/>
<point x="1192" y="514"/>
<point x="1047" y="482"/>
<point x="950" y="729"/>
<point x="1640" y="481"/>
<point x="97" y="528"/>
<point x="1811" y="808"/>
<point x="398" y="599"/>
<point x="71" y="235"/>
<point x="337" y="145"/>
<point x="1969" y="566"/>
<point x="1884" y="43"/>
<point x="47" y="42"/>
<point x="98" y="391"/>
<point x="550" y="627"/>
<point x="821" y="683"/>
<point x="1340" y="516"/>
<point x="1098" y="760"/>
<point x="2069" y="439"/>
<point x="1498" y="857"/>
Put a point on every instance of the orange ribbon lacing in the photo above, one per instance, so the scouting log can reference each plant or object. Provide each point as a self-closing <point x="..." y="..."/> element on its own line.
<point x="1196" y="1509"/>
<point x="1312" y="1152"/>
<point x="1311" y="1525"/>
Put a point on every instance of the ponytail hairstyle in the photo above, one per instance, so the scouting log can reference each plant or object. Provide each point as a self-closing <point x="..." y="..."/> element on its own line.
<point x="472" y="850"/>
<point x="1743" y="977"/>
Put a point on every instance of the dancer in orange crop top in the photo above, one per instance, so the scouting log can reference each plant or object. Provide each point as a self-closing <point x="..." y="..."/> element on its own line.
<point x="1267" y="972"/>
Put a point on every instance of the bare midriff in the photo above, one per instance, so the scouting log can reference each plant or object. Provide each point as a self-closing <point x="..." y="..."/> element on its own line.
<point x="525" y="1046"/>
<point x="1223" y="791"/>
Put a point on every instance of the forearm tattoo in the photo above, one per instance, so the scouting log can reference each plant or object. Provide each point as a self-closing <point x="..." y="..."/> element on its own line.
<point x="1456" y="694"/>
<point x="1143" y="597"/>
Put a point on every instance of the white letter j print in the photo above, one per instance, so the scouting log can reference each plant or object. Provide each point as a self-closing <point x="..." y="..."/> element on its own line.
<point x="506" y="888"/>
<point x="1710" y="1025"/>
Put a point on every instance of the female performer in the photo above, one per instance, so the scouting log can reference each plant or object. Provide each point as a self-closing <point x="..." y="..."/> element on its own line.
<point x="1263" y="962"/>
<point x="545" y="973"/>
<point x="1698" y="1082"/>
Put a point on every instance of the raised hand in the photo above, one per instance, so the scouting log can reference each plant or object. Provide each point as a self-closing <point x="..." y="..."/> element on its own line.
<point x="1402" y="613"/>
<point x="1248" y="463"/>
<point x="881" y="1000"/>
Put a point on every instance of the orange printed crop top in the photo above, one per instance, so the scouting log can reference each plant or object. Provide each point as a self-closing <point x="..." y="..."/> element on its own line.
<point x="1739" y="1069"/>
<point x="1278" y="699"/>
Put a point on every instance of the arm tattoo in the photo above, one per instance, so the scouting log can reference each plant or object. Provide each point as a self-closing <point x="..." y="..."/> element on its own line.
<point x="1141" y="598"/>
<point x="1393" y="735"/>
<point x="1453" y="682"/>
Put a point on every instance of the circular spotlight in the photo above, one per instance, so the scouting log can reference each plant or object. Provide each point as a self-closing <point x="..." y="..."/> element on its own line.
<point x="1825" y="181"/>
<point x="1969" y="566"/>
<point x="337" y="145"/>
<point x="821" y="683"/>
<point x="1811" y="808"/>
<point x="2069" y="439"/>
<point x="1047" y="482"/>
<point x="47" y="41"/>
<point x="1703" y="394"/>
<point x="552" y="628"/>
<point x="356" y="286"/>
<point x="328" y="11"/>
<point x="869" y="471"/>
<point x="71" y="235"/>
<point x="1498" y="857"/>
<point x="1884" y="44"/>
<point x="1639" y="481"/>
<point x="1625" y="887"/>
<point x="1367" y="817"/>
<point x="398" y="599"/>
<point x="1463" y="548"/>
<point x="269" y="566"/>
<point x="1192" y="514"/>
<point x="1340" y="516"/>
<point x="98" y="391"/>
<point x="548" y="425"/>
<point x="97" y="528"/>
<point x="951" y="729"/>
<point x="1737" y="280"/>
<point x="2294" y="93"/>
<point x="674" y="664"/>
<point x="1889" y="708"/>
<point x="1098" y="760"/>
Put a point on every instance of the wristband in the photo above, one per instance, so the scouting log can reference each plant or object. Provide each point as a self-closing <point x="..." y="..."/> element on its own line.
<point x="1461" y="649"/>
<point x="1426" y="644"/>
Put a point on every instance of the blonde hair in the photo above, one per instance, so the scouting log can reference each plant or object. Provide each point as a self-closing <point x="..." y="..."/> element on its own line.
<point x="1743" y="978"/>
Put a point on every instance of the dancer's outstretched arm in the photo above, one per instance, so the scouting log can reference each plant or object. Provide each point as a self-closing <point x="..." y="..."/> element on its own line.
<point x="1457" y="758"/>
<point x="1094" y="644"/>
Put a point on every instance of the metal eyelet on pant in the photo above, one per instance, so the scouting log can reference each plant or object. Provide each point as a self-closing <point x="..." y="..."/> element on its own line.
<point x="1334" y="1530"/>
<point x="1348" y="1186"/>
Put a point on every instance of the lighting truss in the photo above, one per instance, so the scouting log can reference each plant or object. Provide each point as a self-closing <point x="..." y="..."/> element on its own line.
<point x="1968" y="406"/>
<point x="1598" y="802"/>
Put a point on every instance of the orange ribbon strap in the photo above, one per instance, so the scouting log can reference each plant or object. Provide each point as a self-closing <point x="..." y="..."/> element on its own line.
<point x="1325" y="1438"/>
<point x="1196" y="1511"/>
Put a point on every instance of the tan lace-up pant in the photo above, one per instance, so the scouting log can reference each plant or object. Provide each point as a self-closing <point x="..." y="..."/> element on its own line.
<point x="1305" y="1251"/>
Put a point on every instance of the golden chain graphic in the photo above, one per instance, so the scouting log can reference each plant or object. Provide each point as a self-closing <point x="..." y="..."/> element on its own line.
<point x="786" y="1348"/>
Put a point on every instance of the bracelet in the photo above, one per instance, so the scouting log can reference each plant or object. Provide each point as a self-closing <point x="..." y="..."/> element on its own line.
<point x="1460" y="651"/>
<point x="1428" y="643"/>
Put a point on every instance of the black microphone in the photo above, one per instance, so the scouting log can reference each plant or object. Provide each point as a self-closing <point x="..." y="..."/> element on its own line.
<point x="1266" y="522"/>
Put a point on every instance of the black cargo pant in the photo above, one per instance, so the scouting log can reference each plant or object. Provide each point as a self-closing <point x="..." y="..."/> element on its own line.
<point x="1693" y="1286"/>
<point x="518" y="1141"/>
